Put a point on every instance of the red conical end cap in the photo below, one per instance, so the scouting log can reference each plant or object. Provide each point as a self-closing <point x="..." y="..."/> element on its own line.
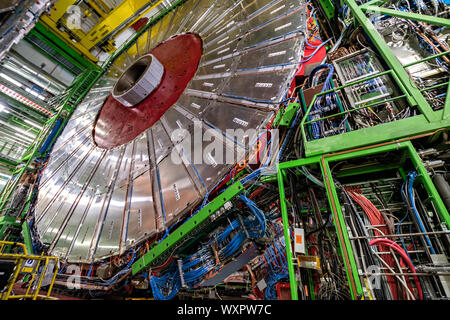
<point x="117" y="124"/>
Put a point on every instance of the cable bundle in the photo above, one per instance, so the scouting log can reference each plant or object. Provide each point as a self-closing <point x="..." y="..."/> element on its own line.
<point x="273" y="279"/>
<point x="391" y="244"/>
<point x="410" y="200"/>
<point x="374" y="215"/>
<point x="376" y="219"/>
<point x="259" y="215"/>
<point x="235" y="243"/>
<point x="166" y="286"/>
<point x="124" y="270"/>
<point x="318" y="128"/>
<point x="276" y="261"/>
<point x="275" y="256"/>
<point x="204" y="263"/>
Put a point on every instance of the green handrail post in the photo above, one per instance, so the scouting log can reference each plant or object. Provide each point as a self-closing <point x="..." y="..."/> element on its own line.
<point x="428" y="183"/>
<point x="344" y="241"/>
<point x="287" y="235"/>
<point x="446" y="113"/>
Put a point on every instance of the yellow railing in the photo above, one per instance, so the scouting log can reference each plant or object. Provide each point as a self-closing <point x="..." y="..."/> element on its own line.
<point x="29" y="265"/>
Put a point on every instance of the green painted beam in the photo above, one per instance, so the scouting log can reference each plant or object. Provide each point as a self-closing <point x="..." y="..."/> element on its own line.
<point x="289" y="114"/>
<point x="8" y="162"/>
<point x="299" y="163"/>
<point x="446" y="113"/>
<point x="277" y="119"/>
<point x="6" y="221"/>
<point x="436" y="21"/>
<point x="373" y="135"/>
<point x="24" y="125"/>
<point x="27" y="237"/>
<point x="351" y="268"/>
<point x="428" y="183"/>
<point x="287" y="235"/>
<point x="434" y="56"/>
<point x="328" y="8"/>
<point x="185" y="229"/>
<point x="373" y="3"/>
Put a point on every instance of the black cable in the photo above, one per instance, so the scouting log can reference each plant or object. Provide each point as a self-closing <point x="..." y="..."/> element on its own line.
<point x="319" y="228"/>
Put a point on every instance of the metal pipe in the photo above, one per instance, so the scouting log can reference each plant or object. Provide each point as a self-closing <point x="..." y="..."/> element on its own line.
<point x="434" y="269"/>
<point x="443" y="188"/>
<point x="401" y="274"/>
<point x="401" y="235"/>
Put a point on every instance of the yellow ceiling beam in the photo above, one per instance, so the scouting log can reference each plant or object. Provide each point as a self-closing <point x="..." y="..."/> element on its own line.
<point x="99" y="10"/>
<point x="110" y="21"/>
<point x="122" y="12"/>
<point x="59" y="9"/>
<point x="102" y="4"/>
<point x="65" y="37"/>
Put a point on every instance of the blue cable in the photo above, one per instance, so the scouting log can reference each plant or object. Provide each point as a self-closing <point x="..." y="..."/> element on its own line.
<point x="401" y="221"/>
<point x="316" y="109"/>
<point x="412" y="176"/>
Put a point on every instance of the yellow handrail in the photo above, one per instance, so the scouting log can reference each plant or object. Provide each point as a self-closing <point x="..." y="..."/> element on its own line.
<point x="19" y="259"/>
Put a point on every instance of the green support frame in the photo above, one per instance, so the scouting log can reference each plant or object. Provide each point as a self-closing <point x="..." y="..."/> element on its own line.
<point x="427" y="121"/>
<point x="328" y="8"/>
<point x="338" y="217"/>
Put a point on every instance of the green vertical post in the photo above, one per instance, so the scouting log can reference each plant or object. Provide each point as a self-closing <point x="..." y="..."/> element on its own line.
<point x="27" y="237"/>
<point x="446" y="113"/>
<point x="328" y="8"/>
<point x="428" y="184"/>
<point x="287" y="236"/>
<point x="349" y="258"/>
<point x="402" y="173"/>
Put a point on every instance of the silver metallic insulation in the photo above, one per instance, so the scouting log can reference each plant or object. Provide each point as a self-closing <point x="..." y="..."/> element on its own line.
<point x="94" y="203"/>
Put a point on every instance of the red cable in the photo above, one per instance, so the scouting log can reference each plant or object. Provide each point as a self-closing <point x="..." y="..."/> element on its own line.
<point x="376" y="218"/>
<point x="396" y="247"/>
